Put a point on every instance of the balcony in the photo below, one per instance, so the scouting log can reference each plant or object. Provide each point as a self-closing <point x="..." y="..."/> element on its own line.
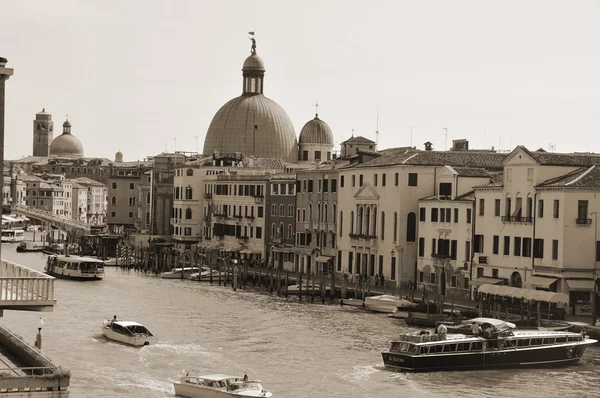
<point x="583" y="221"/>
<point x="315" y="226"/>
<point x="238" y="216"/>
<point x="258" y="198"/>
<point x="277" y="240"/>
<point x="250" y="217"/>
<point x="243" y="239"/>
<point x="361" y="240"/>
<point x="208" y="195"/>
<point x="22" y="288"/>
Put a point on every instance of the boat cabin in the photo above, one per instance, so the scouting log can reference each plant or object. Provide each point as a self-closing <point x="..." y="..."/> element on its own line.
<point x="129" y="328"/>
<point x="13" y="235"/>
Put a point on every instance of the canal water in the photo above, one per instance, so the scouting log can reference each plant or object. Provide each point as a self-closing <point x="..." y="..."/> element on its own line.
<point x="298" y="350"/>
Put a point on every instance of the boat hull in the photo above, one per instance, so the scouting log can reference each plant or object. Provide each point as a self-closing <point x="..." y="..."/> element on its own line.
<point x="136" y="341"/>
<point x="75" y="277"/>
<point x="530" y="357"/>
<point x="195" y="391"/>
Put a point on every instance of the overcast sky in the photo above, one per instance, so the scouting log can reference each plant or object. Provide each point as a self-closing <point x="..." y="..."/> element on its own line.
<point x="142" y="76"/>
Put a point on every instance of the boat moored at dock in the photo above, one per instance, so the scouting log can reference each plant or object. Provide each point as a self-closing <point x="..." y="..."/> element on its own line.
<point x="180" y="273"/>
<point x="75" y="267"/>
<point x="500" y="346"/>
<point x="219" y="386"/>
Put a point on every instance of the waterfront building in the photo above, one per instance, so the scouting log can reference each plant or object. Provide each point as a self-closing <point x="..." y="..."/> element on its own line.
<point x="161" y="191"/>
<point x="537" y="227"/>
<point x="280" y="231"/>
<point x="445" y="231"/>
<point x="14" y="189"/>
<point x="44" y="195"/>
<point x="79" y="202"/>
<point x="43" y="133"/>
<point x="96" y="200"/>
<point x="252" y="124"/>
<point x="125" y="195"/>
<point x="67" y="187"/>
<point x="378" y="206"/>
<point x="187" y="205"/>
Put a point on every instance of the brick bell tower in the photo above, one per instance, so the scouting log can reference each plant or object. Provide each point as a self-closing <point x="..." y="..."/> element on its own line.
<point x="43" y="133"/>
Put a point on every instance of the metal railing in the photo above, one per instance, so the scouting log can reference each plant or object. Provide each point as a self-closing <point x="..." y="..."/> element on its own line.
<point x="48" y="216"/>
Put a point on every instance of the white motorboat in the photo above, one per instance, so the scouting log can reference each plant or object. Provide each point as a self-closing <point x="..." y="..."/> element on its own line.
<point x="219" y="386"/>
<point x="205" y="275"/>
<point x="127" y="332"/>
<point x="180" y="273"/>
<point x="382" y="303"/>
<point x="353" y="302"/>
<point x="307" y="289"/>
<point x="75" y="267"/>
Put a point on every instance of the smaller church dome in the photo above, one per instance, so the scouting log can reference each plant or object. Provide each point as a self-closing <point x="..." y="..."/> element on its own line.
<point x="119" y="157"/>
<point x="67" y="123"/>
<point x="66" y="145"/>
<point x="316" y="131"/>
<point x="254" y="62"/>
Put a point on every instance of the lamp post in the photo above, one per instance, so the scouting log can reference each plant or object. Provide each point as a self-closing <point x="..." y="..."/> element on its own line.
<point x="38" y="338"/>
<point x="398" y="276"/>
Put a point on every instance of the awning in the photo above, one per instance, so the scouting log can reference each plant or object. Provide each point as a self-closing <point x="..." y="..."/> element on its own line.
<point x="486" y="280"/>
<point x="538" y="281"/>
<point x="282" y="249"/>
<point x="9" y="219"/>
<point x="527" y="294"/>
<point x="246" y="251"/>
<point x="580" y="284"/>
<point x="232" y="248"/>
<point x="323" y="259"/>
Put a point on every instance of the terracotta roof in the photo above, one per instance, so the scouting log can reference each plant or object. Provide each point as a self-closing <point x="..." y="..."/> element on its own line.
<point x="472" y="171"/>
<point x="585" y="177"/>
<point x="562" y="159"/>
<point x="87" y="181"/>
<point x="359" y="140"/>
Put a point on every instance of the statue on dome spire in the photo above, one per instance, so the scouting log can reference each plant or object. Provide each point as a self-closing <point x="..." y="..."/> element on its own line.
<point x="253" y="49"/>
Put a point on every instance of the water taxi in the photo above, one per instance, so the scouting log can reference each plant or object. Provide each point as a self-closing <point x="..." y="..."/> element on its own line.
<point x="75" y="267"/>
<point x="500" y="346"/>
<point x="127" y="332"/>
<point x="219" y="386"/>
<point x="180" y="273"/>
<point x="383" y="303"/>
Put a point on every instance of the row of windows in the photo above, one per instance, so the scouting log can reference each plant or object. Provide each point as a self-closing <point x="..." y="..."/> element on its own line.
<point x="239" y="231"/>
<point x="283" y="189"/>
<point x="237" y="189"/>
<point x="413" y="180"/>
<point x="179" y="191"/>
<point x="131" y="185"/>
<point x="326" y="185"/>
<point x="522" y="247"/>
<point x="366" y="224"/>
<point x="321" y="216"/>
<point x="186" y="231"/>
<point x="228" y="210"/>
<point x="517" y="211"/>
<point x="443" y="214"/>
<point x="317" y="155"/>
<point x="279" y="231"/>
<point x="113" y="214"/>
<point x="281" y="212"/>
<point x="131" y="201"/>
<point x="180" y="172"/>
<point x="306" y="238"/>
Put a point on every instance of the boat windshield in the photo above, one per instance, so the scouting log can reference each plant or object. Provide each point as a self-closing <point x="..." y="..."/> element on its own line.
<point x="138" y="329"/>
<point x="245" y="385"/>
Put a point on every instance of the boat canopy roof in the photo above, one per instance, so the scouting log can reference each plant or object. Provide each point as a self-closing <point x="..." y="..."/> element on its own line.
<point x="527" y="294"/>
<point x="78" y="259"/>
<point x="219" y="377"/>
<point x="496" y="323"/>
<point x="127" y="323"/>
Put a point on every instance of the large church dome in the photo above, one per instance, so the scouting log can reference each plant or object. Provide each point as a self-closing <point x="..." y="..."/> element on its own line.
<point x="66" y="144"/>
<point x="316" y="131"/>
<point x="252" y="123"/>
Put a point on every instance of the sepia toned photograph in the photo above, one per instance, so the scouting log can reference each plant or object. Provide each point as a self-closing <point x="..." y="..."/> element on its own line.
<point x="332" y="198"/>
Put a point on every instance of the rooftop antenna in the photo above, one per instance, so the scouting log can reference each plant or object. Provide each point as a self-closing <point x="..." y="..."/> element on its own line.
<point x="317" y="109"/>
<point x="445" y="138"/>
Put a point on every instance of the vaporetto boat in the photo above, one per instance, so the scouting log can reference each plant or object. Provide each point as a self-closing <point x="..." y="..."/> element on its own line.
<point x="503" y="346"/>
<point x="75" y="267"/>
<point x="219" y="386"/>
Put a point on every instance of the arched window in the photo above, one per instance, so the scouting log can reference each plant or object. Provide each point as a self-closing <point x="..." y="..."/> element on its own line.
<point x="395" y="226"/>
<point x="273" y="232"/>
<point x="176" y="192"/>
<point x="273" y="210"/>
<point x="188" y="214"/>
<point x="341" y="223"/>
<point x="282" y="210"/>
<point x="310" y="216"/>
<point x="382" y="225"/>
<point x="411" y="227"/>
<point x="289" y="231"/>
<point x="148" y="217"/>
<point x="148" y="197"/>
<point x="281" y="232"/>
<point x="290" y="210"/>
<point x="318" y="212"/>
<point x="325" y="212"/>
<point x="189" y="172"/>
<point x="113" y="200"/>
<point x="368" y="221"/>
<point x="188" y="192"/>
<point x="374" y="217"/>
<point x="334" y="214"/>
<point x="351" y="222"/>
<point x="360" y="220"/>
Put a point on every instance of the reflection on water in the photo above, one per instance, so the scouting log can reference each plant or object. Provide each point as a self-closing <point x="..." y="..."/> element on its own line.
<point x="296" y="349"/>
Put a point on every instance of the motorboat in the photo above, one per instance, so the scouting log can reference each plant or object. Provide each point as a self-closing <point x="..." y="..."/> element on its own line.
<point x="219" y="386"/>
<point x="500" y="346"/>
<point x="127" y="332"/>
<point x="430" y="320"/>
<point x="27" y="247"/>
<point x="180" y="273"/>
<point x="52" y="249"/>
<point x="352" y="302"/>
<point x="75" y="267"/>
<point x="206" y="273"/>
<point x="382" y="303"/>
<point x="307" y="289"/>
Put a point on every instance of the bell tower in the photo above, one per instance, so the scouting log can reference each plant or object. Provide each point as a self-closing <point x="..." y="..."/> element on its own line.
<point x="43" y="133"/>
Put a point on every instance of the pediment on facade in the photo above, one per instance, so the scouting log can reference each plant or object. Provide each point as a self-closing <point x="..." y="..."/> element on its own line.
<point x="366" y="192"/>
<point x="446" y="171"/>
<point x="519" y="156"/>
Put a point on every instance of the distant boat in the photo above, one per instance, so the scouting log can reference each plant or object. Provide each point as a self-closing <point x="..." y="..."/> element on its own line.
<point x="307" y="289"/>
<point x="205" y="275"/>
<point x="127" y="332"/>
<point x="382" y="303"/>
<point x="25" y="247"/>
<point x="180" y="273"/>
<point x="75" y="267"/>
<point x="219" y="386"/>
<point x="12" y="235"/>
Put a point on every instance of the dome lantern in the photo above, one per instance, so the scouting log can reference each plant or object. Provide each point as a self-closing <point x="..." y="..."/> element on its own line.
<point x="253" y="72"/>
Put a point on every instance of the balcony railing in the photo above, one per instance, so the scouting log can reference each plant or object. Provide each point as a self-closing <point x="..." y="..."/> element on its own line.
<point x="24" y="288"/>
<point x="583" y="221"/>
<point x="258" y="198"/>
<point x="238" y="216"/>
<point x="363" y="240"/>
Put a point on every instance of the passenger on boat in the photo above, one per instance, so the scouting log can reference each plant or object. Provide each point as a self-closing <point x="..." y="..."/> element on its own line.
<point x="475" y="328"/>
<point x="245" y="377"/>
<point x="487" y="330"/>
<point x="442" y="330"/>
